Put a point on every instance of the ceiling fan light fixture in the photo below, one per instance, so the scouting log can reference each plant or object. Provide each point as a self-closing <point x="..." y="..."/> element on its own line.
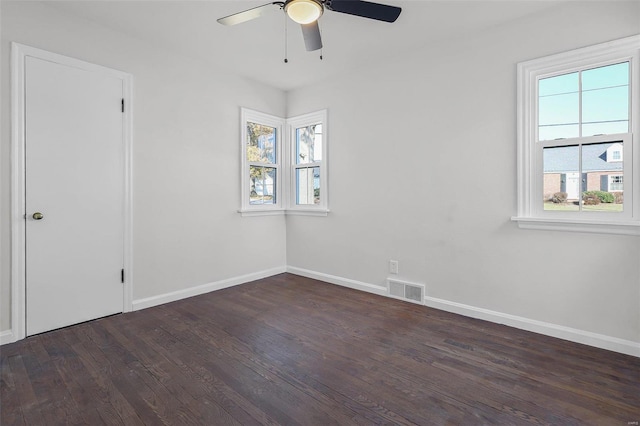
<point x="303" y="11"/>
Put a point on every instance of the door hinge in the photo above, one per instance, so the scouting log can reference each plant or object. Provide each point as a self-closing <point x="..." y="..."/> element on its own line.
<point x="122" y="276"/>
<point x="122" y="105"/>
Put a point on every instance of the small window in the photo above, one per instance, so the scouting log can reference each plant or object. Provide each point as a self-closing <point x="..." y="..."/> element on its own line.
<point x="308" y="162"/>
<point x="577" y="118"/>
<point x="615" y="183"/>
<point x="261" y="171"/>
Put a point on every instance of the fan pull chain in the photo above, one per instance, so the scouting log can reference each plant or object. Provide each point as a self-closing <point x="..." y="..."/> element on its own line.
<point x="322" y="48"/>
<point x="286" y="60"/>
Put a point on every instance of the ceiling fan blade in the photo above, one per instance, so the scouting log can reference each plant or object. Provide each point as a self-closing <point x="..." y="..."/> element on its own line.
<point x="377" y="11"/>
<point x="247" y="15"/>
<point x="311" y="34"/>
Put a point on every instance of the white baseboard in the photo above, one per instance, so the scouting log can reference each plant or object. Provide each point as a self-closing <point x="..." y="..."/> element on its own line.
<point x="345" y="282"/>
<point x="548" y="329"/>
<point x="6" y="337"/>
<point x="574" y="335"/>
<point x="160" y="299"/>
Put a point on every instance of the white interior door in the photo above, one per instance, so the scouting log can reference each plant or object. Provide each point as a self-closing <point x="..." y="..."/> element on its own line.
<point x="74" y="160"/>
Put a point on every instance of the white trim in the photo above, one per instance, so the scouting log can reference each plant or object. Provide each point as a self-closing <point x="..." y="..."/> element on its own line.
<point x="173" y="296"/>
<point x="548" y="329"/>
<point x="250" y="213"/>
<point x="593" y="227"/>
<point x="19" y="52"/>
<point x="333" y="279"/>
<point x="309" y="212"/>
<point x="18" y="228"/>
<point x="529" y="167"/>
<point x="127" y="126"/>
<point x="6" y="337"/>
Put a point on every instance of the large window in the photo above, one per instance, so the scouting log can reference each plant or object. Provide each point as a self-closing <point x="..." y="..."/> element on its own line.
<point x="576" y="139"/>
<point x="284" y="171"/>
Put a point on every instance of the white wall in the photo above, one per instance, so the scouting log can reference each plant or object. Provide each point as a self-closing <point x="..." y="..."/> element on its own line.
<point x="423" y="168"/>
<point x="186" y="156"/>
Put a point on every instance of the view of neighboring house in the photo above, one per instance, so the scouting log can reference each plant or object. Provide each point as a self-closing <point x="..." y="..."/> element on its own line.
<point x="601" y="169"/>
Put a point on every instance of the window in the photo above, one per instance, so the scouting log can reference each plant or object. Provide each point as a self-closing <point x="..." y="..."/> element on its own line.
<point x="261" y="162"/>
<point x="577" y="116"/>
<point x="283" y="171"/>
<point x="615" y="183"/>
<point x="308" y="164"/>
<point x="614" y="153"/>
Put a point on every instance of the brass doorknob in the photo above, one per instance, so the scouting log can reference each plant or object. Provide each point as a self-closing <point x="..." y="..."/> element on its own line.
<point x="38" y="216"/>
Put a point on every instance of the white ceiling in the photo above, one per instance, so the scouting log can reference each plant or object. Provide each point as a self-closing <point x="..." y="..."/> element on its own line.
<point x="255" y="49"/>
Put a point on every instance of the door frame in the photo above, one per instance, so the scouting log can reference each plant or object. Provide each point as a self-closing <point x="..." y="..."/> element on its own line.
<point x="19" y="52"/>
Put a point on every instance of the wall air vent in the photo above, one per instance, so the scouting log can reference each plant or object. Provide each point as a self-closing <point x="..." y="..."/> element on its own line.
<point x="410" y="292"/>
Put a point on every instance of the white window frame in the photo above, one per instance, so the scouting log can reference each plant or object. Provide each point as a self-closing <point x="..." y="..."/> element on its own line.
<point x="294" y="123"/>
<point x="530" y="214"/>
<point x="285" y="165"/>
<point x="247" y="209"/>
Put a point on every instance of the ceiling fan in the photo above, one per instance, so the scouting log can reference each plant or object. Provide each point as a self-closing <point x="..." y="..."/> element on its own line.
<point x="307" y="12"/>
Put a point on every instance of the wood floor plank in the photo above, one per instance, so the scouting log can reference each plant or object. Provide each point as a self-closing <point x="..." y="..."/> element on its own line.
<point x="292" y="350"/>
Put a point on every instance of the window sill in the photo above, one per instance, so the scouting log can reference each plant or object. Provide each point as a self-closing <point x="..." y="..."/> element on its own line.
<point x="280" y="212"/>
<point x="269" y="212"/>
<point x="307" y="212"/>
<point x="590" y="226"/>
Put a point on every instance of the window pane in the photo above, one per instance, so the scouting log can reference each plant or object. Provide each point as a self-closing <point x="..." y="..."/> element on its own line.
<point x="261" y="143"/>
<point x="309" y="144"/>
<point x="548" y="133"/>
<point x="602" y="172"/>
<point x="561" y="185"/>
<point x="262" y="181"/>
<point x="566" y="83"/>
<point x="605" y="128"/>
<point x="559" y="109"/>
<point x="558" y="116"/>
<point x="605" y="105"/>
<point x="609" y="76"/>
<point x="308" y="185"/>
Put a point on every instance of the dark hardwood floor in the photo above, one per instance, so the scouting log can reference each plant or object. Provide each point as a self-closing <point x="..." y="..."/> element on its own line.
<point x="291" y="350"/>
